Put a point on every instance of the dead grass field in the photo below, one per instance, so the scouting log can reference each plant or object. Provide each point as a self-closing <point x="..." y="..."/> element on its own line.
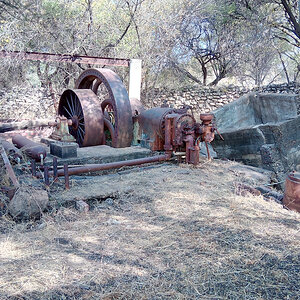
<point x="174" y="232"/>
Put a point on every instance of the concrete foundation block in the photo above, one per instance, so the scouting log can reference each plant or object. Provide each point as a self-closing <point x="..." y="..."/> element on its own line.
<point x="63" y="150"/>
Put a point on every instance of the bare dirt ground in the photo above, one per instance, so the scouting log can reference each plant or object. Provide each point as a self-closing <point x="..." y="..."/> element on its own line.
<point x="169" y="232"/>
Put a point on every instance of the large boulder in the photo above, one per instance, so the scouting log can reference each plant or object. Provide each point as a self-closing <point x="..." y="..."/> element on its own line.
<point x="261" y="130"/>
<point x="28" y="202"/>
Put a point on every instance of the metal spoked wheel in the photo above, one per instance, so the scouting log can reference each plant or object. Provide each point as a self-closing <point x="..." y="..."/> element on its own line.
<point x="82" y="108"/>
<point x="116" y="106"/>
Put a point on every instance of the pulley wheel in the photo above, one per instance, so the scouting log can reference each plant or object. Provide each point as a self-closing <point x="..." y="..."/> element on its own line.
<point x="82" y="107"/>
<point x="116" y="103"/>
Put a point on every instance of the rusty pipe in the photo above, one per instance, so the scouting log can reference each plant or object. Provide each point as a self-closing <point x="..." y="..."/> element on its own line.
<point x="32" y="149"/>
<point x="168" y="136"/>
<point x="113" y="165"/>
<point x="10" y="149"/>
<point x="189" y="143"/>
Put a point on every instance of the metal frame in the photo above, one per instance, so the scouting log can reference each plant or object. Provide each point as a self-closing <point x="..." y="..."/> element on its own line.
<point x="135" y="65"/>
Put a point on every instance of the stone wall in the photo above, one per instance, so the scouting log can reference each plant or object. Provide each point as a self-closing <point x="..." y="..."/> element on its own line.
<point x="21" y="104"/>
<point x="206" y="99"/>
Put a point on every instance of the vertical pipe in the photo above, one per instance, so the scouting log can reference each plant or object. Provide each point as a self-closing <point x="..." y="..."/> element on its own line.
<point x="55" y="169"/>
<point x="46" y="175"/>
<point x="66" y="174"/>
<point x="33" y="168"/>
<point x="168" y="135"/>
<point x="189" y="141"/>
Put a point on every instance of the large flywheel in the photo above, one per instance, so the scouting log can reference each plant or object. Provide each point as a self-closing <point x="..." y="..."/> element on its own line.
<point x="115" y="104"/>
<point x="81" y="107"/>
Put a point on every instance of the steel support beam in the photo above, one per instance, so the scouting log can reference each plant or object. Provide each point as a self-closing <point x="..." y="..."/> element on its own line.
<point x="79" y="59"/>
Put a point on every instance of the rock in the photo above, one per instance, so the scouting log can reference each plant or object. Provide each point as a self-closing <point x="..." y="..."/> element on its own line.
<point x="28" y="202"/>
<point x="82" y="206"/>
<point x="203" y="150"/>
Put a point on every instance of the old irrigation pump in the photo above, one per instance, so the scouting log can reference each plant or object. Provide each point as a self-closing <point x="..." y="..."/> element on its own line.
<point x="89" y="118"/>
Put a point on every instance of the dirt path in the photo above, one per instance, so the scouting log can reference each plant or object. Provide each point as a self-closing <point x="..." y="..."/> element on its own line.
<point x="174" y="232"/>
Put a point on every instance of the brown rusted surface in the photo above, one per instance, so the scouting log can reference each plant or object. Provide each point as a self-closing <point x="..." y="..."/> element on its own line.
<point x="32" y="149"/>
<point x="118" y="97"/>
<point x="66" y="175"/>
<point x="83" y="108"/>
<point x="114" y="165"/>
<point x="184" y="125"/>
<point x="9" y="169"/>
<point x="136" y="106"/>
<point x="152" y="126"/>
<point x="164" y="128"/>
<point x="291" y="197"/>
<point x="82" y="59"/>
<point x="10" y="149"/>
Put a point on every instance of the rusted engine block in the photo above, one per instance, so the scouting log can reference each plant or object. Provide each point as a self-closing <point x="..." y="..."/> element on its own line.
<point x="173" y="130"/>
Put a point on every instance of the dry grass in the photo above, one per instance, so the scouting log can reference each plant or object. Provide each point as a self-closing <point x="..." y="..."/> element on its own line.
<point x="174" y="232"/>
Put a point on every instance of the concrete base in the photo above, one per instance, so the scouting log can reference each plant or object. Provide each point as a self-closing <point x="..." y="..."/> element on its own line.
<point x="101" y="154"/>
<point x="63" y="150"/>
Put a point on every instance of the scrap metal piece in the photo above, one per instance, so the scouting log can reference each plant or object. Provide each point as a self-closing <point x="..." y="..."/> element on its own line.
<point x="291" y="197"/>
<point x="81" y="107"/>
<point x="119" y="103"/>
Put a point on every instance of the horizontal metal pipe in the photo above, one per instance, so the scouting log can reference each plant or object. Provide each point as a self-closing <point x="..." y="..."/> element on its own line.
<point x="10" y="149"/>
<point x="113" y="165"/>
<point x="31" y="148"/>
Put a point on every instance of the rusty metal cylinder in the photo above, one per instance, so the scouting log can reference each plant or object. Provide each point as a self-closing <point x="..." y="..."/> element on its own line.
<point x="152" y="121"/>
<point x="10" y="149"/>
<point x="32" y="149"/>
<point x="291" y="197"/>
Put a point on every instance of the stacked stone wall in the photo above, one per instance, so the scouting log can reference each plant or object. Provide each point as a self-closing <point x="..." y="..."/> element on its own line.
<point x="206" y="99"/>
<point x="21" y="104"/>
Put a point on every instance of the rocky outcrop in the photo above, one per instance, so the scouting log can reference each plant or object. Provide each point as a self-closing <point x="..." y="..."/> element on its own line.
<point x="261" y="130"/>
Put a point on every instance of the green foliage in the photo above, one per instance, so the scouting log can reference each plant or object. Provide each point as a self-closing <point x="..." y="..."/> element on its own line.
<point x="179" y="41"/>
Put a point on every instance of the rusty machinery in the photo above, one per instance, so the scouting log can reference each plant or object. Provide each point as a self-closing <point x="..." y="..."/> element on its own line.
<point x="98" y="111"/>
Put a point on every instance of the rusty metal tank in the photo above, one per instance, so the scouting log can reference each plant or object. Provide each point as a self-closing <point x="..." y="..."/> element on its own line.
<point x="291" y="197"/>
<point x="152" y="121"/>
<point x="151" y="127"/>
